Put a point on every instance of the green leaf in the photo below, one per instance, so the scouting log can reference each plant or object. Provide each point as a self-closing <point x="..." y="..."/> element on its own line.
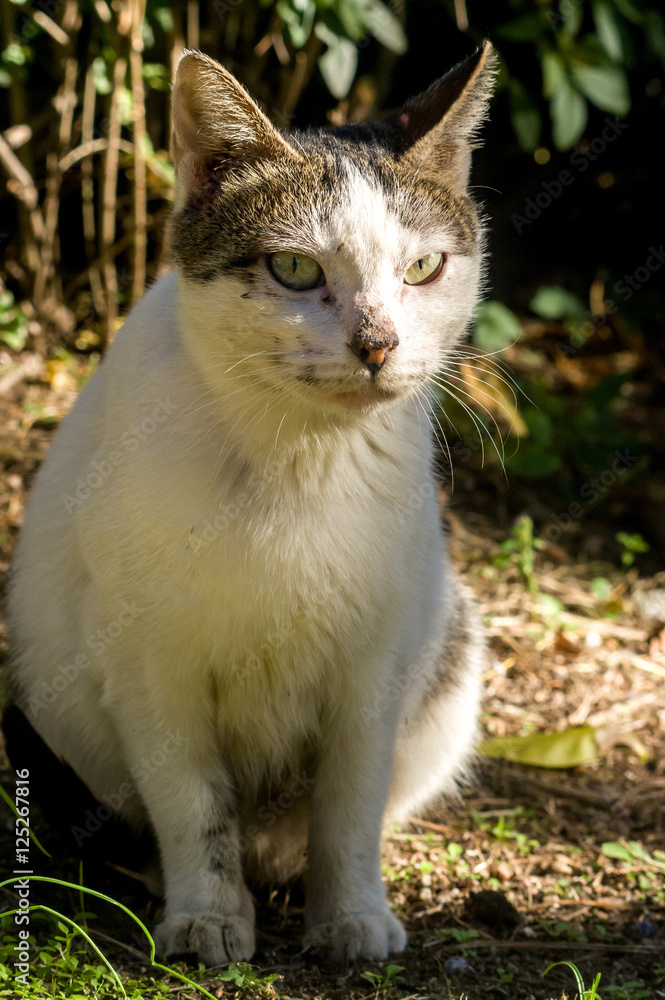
<point x="125" y="100"/>
<point x="605" y="86"/>
<point x="554" y="72"/>
<point x="351" y="15"/>
<point x="339" y="63"/>
<point x="601" y="587"/>
<point x="385" y="27"/>
<point x="613" y="849"/>
<point x="568" y="111"/>
<point x="555" y="302"/>
<point x="572" y="18"/>
<point x="643" y="855"/>
<point x="633" y="543"/>
<point x="156" y="76"/>
<point x="299" y="20"/>
<point x="608" y="30"/>
<point x="570" y="748"/>
<point x="102" y="83"/>
<point x="551" y="605"/>
<point x="15" y="54"/>
<point x="13" y="322"/>
<point x="15" y="339"/>
<point x="629" y="11"/>
<point x="164" y="18"/>
<point x="496" y="326"/>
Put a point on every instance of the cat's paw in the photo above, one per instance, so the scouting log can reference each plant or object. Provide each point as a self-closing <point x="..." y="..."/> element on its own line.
<point x="367" y="935"/>
<point x="214" y="938"/>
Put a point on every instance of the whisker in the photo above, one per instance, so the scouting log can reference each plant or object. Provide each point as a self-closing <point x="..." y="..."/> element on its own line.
<point x="444" y="384"/>
<point x="246" y="358"/>
<point x="479" y="427"/>
<point x="491" y="368"/>
<point x="496" y="367"/>
<point x="483" y="354"/>
<point x="262" y="412"/>
<point x="425" y="404"/>
<point x="500" y="454"/>
<point x="484" y="187"/>
<point x="498" y="401"/>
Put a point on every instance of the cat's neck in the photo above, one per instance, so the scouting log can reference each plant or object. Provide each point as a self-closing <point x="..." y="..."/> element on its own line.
<point x="304" y="447"/>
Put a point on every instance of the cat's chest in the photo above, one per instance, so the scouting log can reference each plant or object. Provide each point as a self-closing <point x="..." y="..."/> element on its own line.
<point x="279" y="559"/>
<point x="261" y="575"/>
<point x="291" y="597"/>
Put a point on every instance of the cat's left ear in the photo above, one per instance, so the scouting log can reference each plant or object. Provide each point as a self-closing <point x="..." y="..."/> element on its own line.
<point x="437" y="130"/>
<point x="216" y="127"/>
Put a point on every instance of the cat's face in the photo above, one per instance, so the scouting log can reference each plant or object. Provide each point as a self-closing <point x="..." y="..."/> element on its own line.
<point x="338" y="268"/>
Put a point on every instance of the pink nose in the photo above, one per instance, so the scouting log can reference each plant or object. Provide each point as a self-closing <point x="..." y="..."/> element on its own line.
<point x="372" y="349"/>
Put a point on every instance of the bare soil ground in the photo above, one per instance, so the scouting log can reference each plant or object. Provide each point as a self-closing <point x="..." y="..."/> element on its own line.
<point x="517" y="873"/>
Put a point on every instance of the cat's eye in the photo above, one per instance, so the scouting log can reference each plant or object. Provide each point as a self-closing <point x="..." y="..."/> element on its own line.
<point x="295" y="270"/>
<point x="425" y="269"/>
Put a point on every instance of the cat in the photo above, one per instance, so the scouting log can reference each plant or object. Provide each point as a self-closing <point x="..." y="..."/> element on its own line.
<point x="231" y="612"/>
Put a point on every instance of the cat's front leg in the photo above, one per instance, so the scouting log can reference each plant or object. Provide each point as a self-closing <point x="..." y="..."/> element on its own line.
<point x="347" y="914"/>
<point x="209" y="911"/>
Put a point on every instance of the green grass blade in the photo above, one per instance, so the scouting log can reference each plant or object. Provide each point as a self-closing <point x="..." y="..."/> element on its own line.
<point x="77" y="927"/>
<point x="81" y="899"/>
<point x="33" y="837"/>
<point x="125" y="909"/>
<point x="583" y="992"/>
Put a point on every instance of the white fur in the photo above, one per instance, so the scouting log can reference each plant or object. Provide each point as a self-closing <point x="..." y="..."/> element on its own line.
<point x="270" y="557"/>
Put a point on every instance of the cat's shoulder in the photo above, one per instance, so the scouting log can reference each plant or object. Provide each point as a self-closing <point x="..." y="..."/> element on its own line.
<point x="157" y="315"/>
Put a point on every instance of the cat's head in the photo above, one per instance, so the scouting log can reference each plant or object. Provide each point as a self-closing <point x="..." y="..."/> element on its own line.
<point x="335" y="267"/>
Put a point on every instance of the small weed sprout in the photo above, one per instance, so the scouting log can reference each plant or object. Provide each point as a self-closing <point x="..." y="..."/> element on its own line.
<point x="382" y="982"/>
<point x="519" y="550"/>
<point x="631" y="545"/>
<point x="634" y="990"/>
<point x="13" y="322"/>
<point x="244" y="978"/>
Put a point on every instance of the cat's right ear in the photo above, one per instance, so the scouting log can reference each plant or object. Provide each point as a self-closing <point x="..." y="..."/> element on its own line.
<point x="436" y="132"/>
<point x="216" y="126"/>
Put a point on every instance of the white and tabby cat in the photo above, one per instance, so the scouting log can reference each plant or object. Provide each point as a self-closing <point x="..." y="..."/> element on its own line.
<point x="231" y="610"/>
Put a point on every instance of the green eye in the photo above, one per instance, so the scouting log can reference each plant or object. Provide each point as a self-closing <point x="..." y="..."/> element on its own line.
<point x="295" y="270"/>
<point x="425" y="270"/>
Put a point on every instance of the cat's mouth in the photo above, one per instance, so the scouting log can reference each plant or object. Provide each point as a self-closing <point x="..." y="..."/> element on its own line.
<point x="355" y="392"/>
<point x="367" y="396"/>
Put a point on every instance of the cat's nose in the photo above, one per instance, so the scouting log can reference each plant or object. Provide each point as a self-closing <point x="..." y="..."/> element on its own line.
<point x="372" y="349"/>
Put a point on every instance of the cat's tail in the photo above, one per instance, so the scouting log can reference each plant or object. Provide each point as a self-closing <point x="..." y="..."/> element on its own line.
<point x="82" y="826"/>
